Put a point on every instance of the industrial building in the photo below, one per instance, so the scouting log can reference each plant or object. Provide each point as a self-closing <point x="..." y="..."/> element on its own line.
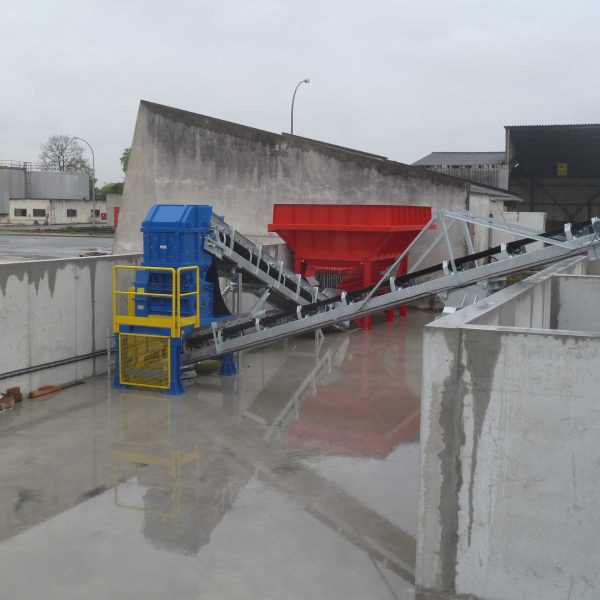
<point x="30" y="194"/>
<point x="247" y="416"/>
<point x="488" y="168"/>
<point x="554" y="169"/>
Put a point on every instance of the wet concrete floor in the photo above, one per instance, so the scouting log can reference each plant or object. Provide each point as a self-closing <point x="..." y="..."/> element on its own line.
<point x="296" y="478"/>
<point x="34" y="247"/>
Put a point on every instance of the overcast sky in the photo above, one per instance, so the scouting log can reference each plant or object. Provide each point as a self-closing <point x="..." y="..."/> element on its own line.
<point x="400" y="79"/>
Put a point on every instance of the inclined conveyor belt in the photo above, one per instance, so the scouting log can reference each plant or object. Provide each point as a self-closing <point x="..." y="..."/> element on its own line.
<point x="255" y="331"/>
<point x="236" y="251"/>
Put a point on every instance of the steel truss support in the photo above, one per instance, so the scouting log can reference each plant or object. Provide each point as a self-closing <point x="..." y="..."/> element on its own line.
<point x="343" y="310"/>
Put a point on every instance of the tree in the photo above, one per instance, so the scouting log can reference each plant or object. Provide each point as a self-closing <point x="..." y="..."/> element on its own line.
<point x="109" y="188"/>
<point x="125" y="159"/>
<point x="63" y="153"/>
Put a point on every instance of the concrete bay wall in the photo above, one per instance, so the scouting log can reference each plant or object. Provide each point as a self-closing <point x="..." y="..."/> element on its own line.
<point x="183" y="157"/>
<point x="510" y="433"/>
<point x="53" y="310"/>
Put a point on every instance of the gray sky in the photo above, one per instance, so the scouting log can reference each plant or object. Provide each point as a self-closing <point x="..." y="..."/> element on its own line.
<point x="399" y="78"/>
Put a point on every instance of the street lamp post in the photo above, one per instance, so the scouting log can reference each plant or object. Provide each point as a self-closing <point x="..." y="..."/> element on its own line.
<point x="93" y="179"/>
<point x="294" y="98"/>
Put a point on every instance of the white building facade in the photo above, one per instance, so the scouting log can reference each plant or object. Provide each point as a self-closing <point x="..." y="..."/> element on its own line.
<point x="30" y="196"/>
<point x="29" y="211"/>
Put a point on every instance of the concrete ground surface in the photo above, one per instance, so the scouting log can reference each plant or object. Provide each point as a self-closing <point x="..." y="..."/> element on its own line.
<point x="296" y="478"/>
<point x="34" y="247"/>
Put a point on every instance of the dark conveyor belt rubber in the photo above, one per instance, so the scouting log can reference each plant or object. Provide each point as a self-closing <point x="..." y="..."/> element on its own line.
<point x="199" y="337"/>
<point x="263" y="266"/>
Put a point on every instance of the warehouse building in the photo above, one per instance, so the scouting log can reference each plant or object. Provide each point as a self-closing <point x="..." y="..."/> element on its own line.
<point x="487" y="168"/>
<point x="554" y="169"/>
<point x="30" y="195"/>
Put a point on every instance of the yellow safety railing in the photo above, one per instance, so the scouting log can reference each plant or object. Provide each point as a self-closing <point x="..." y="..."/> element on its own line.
<point x="195" y="318"/>
<point x="174" y="321"/>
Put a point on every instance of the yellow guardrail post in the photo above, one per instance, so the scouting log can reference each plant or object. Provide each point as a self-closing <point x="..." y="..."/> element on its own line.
<point x="174" y="302"/>
<point x="195" y="318"/>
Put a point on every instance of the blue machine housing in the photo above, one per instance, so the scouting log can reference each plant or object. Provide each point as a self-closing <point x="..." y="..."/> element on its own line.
<point x="174" y="237"/>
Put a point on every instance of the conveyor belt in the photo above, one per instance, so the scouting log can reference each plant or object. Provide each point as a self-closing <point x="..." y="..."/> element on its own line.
<point x="287" y="288"/>
<point x="249" y="333"/>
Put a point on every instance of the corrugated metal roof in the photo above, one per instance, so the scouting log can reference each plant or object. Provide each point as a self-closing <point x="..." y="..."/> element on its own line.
<point x="495" y="192"/>
<point x="552" y="125"/>
<point x="461" y="159"/>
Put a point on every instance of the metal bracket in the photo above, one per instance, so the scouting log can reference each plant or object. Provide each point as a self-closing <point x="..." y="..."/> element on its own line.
<point x="217" y="336"/>
<point x="298" y="280"/>
<point x="258" y="307"/>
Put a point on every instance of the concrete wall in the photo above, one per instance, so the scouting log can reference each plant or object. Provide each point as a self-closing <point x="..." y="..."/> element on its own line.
<point x="533" y="220"/>
<point x="53" y="310"/>
<point x="483" y="205"/>
<point x="575" y="303"/>
<point x="509" y="507"/>
<point x="180" y="157"/>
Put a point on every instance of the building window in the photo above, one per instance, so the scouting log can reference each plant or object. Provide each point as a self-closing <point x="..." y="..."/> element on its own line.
<point x="39" y="212"/>
<point x="71" y="212"/>
<point x="20" y="212"/>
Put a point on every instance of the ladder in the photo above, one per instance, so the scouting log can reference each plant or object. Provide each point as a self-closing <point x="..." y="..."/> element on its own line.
<point x="456" y="272"/>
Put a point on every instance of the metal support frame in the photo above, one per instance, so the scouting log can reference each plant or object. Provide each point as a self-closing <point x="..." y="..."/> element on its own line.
<point x="239" y="292"/>
<point x="330" y="314"/>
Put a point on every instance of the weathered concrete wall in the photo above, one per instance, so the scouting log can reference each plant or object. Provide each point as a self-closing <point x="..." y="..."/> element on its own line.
<point x="53" y="310"/>
<point x="533" y="220"/>
<point x="575" y="303"/>
<point x="510" y="432"/>
<point x="180" y="157"/>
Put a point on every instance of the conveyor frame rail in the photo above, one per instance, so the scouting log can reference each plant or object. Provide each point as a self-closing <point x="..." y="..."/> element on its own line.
<point x="223" y="339"/>
<point x="226" y="243"/>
